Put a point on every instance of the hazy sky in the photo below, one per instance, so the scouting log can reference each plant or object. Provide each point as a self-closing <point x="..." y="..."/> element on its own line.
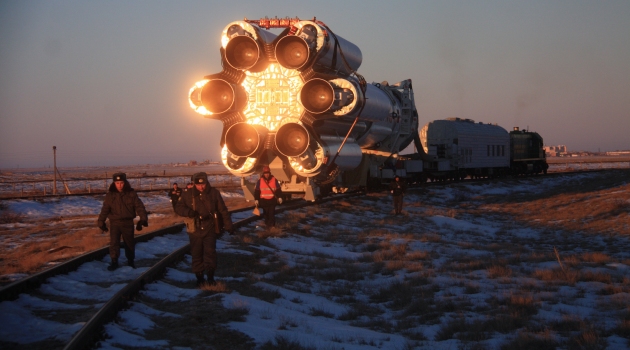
<point x="107" y="81"/>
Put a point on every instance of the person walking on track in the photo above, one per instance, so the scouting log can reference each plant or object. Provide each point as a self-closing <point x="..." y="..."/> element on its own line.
<point x="208" y="215"/>
<point x="121" y="206"/>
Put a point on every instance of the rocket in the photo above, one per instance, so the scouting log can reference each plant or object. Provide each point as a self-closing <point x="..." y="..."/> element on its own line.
<point x="295" y="102"/>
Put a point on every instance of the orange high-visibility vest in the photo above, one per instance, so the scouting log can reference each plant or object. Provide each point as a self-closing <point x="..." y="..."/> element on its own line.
<point x="267" y="190"/>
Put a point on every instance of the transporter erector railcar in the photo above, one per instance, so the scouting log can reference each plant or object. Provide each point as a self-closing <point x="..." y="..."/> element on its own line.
<point x="295" y="102"/>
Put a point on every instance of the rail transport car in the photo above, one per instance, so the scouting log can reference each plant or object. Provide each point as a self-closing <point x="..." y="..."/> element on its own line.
<point x="527" y="155"/>
<point x="459" y="148"/>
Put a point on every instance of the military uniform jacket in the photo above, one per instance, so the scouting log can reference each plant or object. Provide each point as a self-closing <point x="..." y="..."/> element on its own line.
<point x="398" y="187"/>
<point x="121" y="207"/>
<point x="175" y="194"/>
<point x="207" y="203"/>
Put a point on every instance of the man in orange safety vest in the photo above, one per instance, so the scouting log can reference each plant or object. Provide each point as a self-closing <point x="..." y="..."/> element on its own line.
<point x="267" y="195"/>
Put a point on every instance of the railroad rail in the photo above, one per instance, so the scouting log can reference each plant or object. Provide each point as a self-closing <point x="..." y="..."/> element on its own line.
<point x="90" y="332"/>
<point x="91" y="329"/>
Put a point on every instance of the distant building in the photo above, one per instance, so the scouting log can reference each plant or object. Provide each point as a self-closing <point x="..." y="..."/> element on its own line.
<point x="555" y="151"/>
<point x="618" y="153"/>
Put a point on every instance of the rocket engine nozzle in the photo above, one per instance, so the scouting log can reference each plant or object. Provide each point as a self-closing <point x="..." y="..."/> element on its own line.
<point x="320" y="96"/>
<point x="292" y="52"/>
<point x="292" y="139"/>
<point x="317" y="96"/>
<point x="242" y="52"/>
<point x="244" y="140"/>
<point x="219" y="96"/>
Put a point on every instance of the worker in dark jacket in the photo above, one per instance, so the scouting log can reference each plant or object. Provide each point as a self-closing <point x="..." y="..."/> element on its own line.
<point x="174" y="193"/>
<point x="267" y="195"/>
<point x="204" y="204"/>
<point x="398" y="189"/>
<point x="121" y="206"/>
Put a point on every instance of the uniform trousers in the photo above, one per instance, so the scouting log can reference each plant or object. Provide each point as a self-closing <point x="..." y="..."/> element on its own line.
<point x="122" y="229"/>
<point x="203" y="248"/>
<point x="398" y="204"/>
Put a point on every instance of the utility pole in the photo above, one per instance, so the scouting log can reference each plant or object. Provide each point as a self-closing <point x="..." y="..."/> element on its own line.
<point x="55" y="170"/>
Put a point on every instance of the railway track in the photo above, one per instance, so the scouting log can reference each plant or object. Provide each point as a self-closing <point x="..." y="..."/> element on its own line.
<point x="82" y="325"/>
<point x="75" y="299"/>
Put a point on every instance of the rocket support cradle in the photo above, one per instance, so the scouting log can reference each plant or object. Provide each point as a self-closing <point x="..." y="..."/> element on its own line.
<point x="295" y="103"/>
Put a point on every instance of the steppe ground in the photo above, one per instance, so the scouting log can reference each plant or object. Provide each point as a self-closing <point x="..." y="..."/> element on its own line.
<point x="520" y="266"/>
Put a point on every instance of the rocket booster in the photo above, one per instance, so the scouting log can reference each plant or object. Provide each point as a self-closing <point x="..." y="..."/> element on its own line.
<point x="294" y="101"/>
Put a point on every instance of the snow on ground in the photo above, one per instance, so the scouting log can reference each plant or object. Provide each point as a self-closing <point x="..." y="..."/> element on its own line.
<point x="69" y="207"/>
<point x="306" y="310"/>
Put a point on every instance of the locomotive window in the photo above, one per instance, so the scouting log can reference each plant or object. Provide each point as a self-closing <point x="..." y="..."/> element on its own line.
<point x="503" y="150"/>
<point x="488" y="150"/>
<point x="493" y="150"/>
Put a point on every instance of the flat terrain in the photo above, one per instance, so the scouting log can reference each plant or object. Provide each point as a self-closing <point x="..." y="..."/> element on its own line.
<point x="534" y="262"/>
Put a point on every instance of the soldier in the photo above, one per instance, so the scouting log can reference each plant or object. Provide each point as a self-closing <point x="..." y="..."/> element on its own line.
<point x="267" y="195"/>
<point x="122" y="205"/>
<point x="204" y="204"/>
<point x="398" y="188"/>
<point x="174" y="194"/>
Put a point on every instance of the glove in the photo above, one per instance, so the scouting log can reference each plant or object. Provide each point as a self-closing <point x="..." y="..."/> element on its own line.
<point x="279" y="200"/>
<point x="140" y="224"/>
<point x="193" y="214"/>
<point x="104" y="227"/>
<point x="256" y="201"/>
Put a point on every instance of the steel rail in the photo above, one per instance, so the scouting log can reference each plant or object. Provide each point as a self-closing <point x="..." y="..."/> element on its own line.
<point x="13" y="290"/>
<point x="87" y="335"/>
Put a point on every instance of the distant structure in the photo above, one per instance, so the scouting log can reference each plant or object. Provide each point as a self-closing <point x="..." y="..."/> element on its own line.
<point x="555" y="151"/>
<point x="618" y="153"/>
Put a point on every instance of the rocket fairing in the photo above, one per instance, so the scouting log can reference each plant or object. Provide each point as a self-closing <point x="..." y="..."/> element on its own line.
<point x="295" y="102"/>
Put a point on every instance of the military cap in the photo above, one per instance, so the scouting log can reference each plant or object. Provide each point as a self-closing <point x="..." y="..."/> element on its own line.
<point x="119" y="177"/>
<point x="200" y="178"/>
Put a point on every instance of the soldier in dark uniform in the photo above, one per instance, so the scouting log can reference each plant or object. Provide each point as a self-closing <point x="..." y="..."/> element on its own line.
<point x="121" y="206"/>
<point x="174" y="193"/>
<point x="201" y="203"/>
<point x="397" y="189"/>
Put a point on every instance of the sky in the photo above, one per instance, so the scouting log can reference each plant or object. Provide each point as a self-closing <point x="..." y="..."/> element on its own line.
<point x="106" y="82"/>
<point x="312" y="313"/>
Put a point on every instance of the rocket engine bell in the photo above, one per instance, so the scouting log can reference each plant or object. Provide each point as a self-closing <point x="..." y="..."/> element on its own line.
<point x="244" y="46"/>
<point x="295" y="102"/>
<point x="245" y="140"/>
<point x="292" y="140"/>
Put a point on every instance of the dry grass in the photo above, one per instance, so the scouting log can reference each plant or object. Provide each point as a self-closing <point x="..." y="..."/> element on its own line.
<point x="54" y="243"/>
<point x="598" y="206"/>
<point x="467" y="285"/>
<point x="218" y="287"/>
<point x="36" y="244"/>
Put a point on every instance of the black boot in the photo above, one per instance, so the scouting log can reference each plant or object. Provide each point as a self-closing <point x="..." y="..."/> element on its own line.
<point x="113" y="266"/>
<point x="211" y="280"/>
<point x="131" y="263"/>
<point x="200" y="280"/>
